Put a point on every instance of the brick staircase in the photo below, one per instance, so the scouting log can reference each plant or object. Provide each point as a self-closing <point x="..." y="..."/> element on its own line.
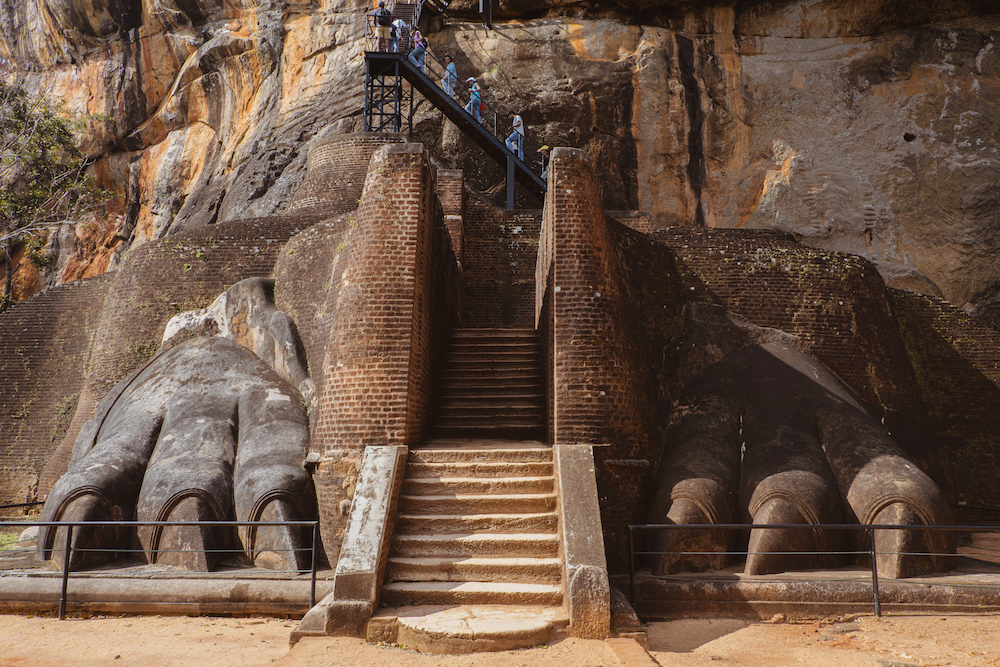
<point x="492" y="386"/>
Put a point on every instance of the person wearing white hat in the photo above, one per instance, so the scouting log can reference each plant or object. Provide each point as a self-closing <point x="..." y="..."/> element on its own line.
<point x="472" y="108"/>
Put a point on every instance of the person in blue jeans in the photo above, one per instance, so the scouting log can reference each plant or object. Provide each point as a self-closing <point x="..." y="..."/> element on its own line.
<point x="472" y="108"/>
<point x="418" y="56"/>
<point x="450" y="76"/>
<point x="515" y="142"/>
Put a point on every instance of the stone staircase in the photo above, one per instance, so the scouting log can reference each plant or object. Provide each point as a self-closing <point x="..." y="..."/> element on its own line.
<point x="492" y="386"/>
<point x="477" y="526"/>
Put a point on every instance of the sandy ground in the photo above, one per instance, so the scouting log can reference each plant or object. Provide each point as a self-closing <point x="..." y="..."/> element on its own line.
<point x="898" y="641"/>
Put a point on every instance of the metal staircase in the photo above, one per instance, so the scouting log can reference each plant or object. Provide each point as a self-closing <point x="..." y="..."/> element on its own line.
<point x="387" y="102"/>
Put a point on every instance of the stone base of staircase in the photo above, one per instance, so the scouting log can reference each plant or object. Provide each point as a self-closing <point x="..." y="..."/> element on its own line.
<point x="451" y="629"/>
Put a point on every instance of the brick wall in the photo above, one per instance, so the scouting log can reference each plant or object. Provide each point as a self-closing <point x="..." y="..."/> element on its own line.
<point x="335" y="172"/>
<point x="159" y="280"/>
<point x="377" y="368"/>
<point x="390" y="304"/>
<point x="602" y="382"/>
<point x="43" y="344"/>
<point x="956" y="358"/>
<point x="499" y="265"/>
<point x="451" y="194"/>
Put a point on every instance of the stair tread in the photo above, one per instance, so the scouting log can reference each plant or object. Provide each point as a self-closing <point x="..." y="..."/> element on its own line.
<point x="486" y="586"/>
<point x="477" y="535"/>
<point x="476" y="560"/>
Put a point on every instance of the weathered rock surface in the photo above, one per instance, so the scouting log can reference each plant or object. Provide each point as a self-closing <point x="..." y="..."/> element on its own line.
<point x="860" y="125"/>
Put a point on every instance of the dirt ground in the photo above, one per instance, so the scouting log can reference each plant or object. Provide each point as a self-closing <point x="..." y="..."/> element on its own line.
<point x="154" y="641"/>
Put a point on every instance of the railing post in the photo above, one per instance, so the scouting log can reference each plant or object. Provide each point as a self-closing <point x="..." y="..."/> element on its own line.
<point x="631" y="566"/>
<point x="878" y="607"/>
<point x="312" y="583"/>
<point x="65" y="578"/>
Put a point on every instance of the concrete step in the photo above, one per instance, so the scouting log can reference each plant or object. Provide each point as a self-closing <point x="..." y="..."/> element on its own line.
<point x="535" y="570"/>
<point x="479" y="469"/>
<point x="402" y="593"/>
<point x="535" y="545"/>
<point x="540" y="522"/>
<point x="499" y="430"/>
<point x="430" y="486"/>
<point x="487" y="391"/>
<point x="525" y="503"/>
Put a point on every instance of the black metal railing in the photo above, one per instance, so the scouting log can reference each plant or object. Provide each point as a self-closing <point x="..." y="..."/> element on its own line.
<point x="870" y="551"/>
<point x="123" y="554"/>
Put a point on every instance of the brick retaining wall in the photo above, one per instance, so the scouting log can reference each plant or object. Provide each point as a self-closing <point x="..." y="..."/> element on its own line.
<point x="44" y="342"/>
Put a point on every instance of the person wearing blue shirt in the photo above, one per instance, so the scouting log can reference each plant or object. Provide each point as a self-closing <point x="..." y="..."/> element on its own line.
<point x="477" y="98"/>
<point x="450" y="76"/>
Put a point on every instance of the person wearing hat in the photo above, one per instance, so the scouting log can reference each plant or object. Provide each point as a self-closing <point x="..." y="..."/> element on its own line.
<point x="383" y="25"/>
<point x="472" y="108"/>
<point x="544" y="162"/>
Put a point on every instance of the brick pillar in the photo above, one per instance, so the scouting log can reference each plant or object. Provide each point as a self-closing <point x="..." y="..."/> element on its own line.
<point x="451" y="192"/>
<point x="377" y="365"/>
<point x="603" y="386"/>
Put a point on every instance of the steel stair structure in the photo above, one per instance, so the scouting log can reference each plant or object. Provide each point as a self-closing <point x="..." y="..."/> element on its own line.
<point x="385" y="100"/>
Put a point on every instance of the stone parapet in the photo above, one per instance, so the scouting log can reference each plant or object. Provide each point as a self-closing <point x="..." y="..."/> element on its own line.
<point x="365" y="548"/>
<point x="585" y="568"/>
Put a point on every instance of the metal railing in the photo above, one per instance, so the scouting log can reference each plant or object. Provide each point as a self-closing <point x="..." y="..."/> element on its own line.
<point x="870" y="552"/>
<point x="68" y="550"/>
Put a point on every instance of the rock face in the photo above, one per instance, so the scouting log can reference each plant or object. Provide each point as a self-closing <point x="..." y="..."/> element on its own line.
<point x="858" y="125"/>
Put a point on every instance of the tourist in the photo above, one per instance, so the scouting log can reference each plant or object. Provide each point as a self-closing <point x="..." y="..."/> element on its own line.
<point x="450" y="76"/>
<point x="399" y="32"/>
<point x="544" y="162"/>
<point x="418" y="56"/>
<point x="383" y="25"/>
<point x="515" y="142"/>
<point x="472" y="108"/>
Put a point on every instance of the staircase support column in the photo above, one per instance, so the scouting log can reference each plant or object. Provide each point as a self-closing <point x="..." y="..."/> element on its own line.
<point x="510" y="184"/>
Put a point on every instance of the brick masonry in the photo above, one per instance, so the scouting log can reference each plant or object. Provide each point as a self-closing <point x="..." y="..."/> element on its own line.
<point x="956" y="358"/>
<point x="499" y="265"/>
<point x="43" y="345"/>
<point x="336" y="170"/>
<point x="602" y="385"/>
<point x="393" y="302"/>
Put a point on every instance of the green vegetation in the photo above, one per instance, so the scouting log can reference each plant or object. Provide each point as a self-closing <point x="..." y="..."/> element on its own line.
<point x="44" y="179"/>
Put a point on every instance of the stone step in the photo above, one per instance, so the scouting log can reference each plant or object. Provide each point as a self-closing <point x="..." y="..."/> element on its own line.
<point x="484" y="390"/>
<point x="536" y="545"/>
<point x="540" y="522"/>
<point x="488" y="404"/>
<point x="441" y="450"/>
<point x="468" y="628"/>
<point x="478" y="428"/>
<point x="402" y="593"/>
<point x="493" y="334"/>
<point x="479" y="469"/>
<point x="535" y="570"/>
<point x="431" y="486"/>
<point x="478" y="504"/>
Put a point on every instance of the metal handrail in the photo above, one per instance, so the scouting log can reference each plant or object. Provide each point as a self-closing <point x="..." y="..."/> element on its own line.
<point x="70" y="525"/>
<point x="870" y="529"/>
